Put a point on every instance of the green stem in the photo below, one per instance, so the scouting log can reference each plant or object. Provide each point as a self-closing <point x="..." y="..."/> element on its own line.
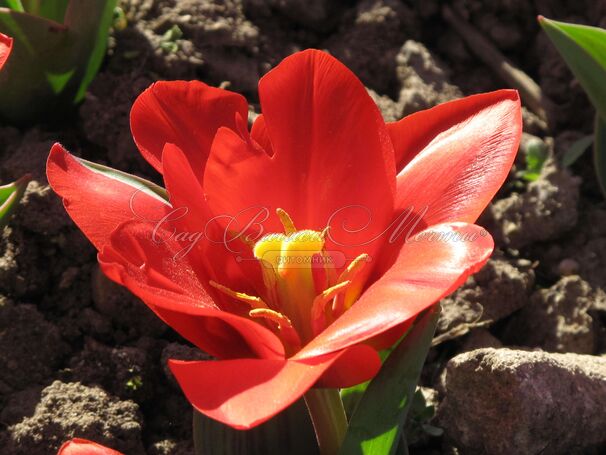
<point x="328" y="417"/>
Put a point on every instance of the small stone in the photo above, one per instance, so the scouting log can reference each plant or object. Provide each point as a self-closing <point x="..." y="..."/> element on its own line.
<point x="497" y="290"/>
<point x="423" y="79"/>
<point x="502" y="401"/>
<point x="557" y="319"/>
<point x="547" y="210"/>
<point x="568" y="267"/>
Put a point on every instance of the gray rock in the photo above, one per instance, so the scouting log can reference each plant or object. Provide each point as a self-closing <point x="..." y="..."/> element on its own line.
<point x="502" y="401"/>
<point x="557" y="319"/>
<point x="73" y="410"/>
<point x="496" y="291"/>
<point x="547" y="209"/>
<point x="422" y="78"/>
<point x="31" y="346"/>
<point x="478" y="339"/>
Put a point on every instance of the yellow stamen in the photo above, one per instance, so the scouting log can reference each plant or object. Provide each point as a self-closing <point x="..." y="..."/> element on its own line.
<point x="284" y="324"/>
<point x="286" y="220"/>
<point x="254" y="302"/>
<point x="342" y="302"/>
<point x="318" y="319"/>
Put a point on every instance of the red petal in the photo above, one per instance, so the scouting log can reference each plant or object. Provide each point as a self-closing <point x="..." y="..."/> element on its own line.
<point x="187" y="114"/>
<point x="351" y="368"/>
<point x="96" y="202"/>
<point x="220" y="259"/>
<point x="79" y="446"/>
<point x="244" y="393"/>
<point x="429" y="267"/>
<point x="330" y="152"/>
<point x="6" y="46"/>
<point x="150" y="263"/>
<point x="463" y="151"/>
<point x="260" y="135"/>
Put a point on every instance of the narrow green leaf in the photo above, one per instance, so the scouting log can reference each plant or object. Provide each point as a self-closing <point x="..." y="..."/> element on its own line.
<point x="145" y="186"/>
<point x="584" y="50"/>
<point x="599" y="152"/>
<point x="376" y="425"/>
<point x="50" y="9"/>
<point x="10" y="195"/>
<point x="88" y="22"/>
<point x="15" y="5"/>
<point x="576" y="150"/>
<point x="289" y="432"/>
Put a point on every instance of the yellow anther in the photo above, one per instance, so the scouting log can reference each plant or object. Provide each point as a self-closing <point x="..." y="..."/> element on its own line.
<point x="286" y="220"/>
<point x="345" y="300"/>
<point x="254" y="302"/>
<point x="354" y="267"/>
<point x="272" y="315"/>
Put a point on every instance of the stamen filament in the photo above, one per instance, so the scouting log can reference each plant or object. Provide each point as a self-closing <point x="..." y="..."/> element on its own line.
<point x="349" y="274"/>
<point x="254" y="302"/>
<point x="318" y="318"/>
<point x="284" y="325"/>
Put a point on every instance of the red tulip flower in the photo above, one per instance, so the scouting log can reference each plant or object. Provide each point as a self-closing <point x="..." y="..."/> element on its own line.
<point x="79" y="446"/>
<point x="294" y="251"/>
<point x="6" y="46"/>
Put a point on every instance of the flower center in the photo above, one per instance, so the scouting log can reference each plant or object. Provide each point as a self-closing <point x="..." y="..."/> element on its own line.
<point x="302" y="292"/>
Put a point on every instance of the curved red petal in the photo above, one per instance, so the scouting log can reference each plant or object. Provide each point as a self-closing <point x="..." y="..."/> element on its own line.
<point x="353" y="367"/>
<point x="260" y="135"/>
<point x="154" y="266"/>
<point x="244" y="393"/>
<point x="78" y="446"/>
<point x="458" y="155"/>
<point x="331" y="160"/>
<point x="429" y="266"/>
<point x="187" y="114"/>
<point x="6" y="46"/>
<point x="98" y="204"/>
<point x="215" y="252"/>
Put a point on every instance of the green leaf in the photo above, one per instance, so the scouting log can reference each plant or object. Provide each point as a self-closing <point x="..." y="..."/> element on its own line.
<point x="599" y="152"/>
<point x="376" y="425"/>
<point x="289" y="432"/>
<point x="584" y="50"/>
<point x="12" y="4"/>
<point x="52" y="63"/>
<point x="576" y="150"/>
<point x="50" y="9"/>
<point x="536" y="153"/>
<point x="351" y="396"/>
<point x="10" y="195"/>
<point x="89" y="23"/>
